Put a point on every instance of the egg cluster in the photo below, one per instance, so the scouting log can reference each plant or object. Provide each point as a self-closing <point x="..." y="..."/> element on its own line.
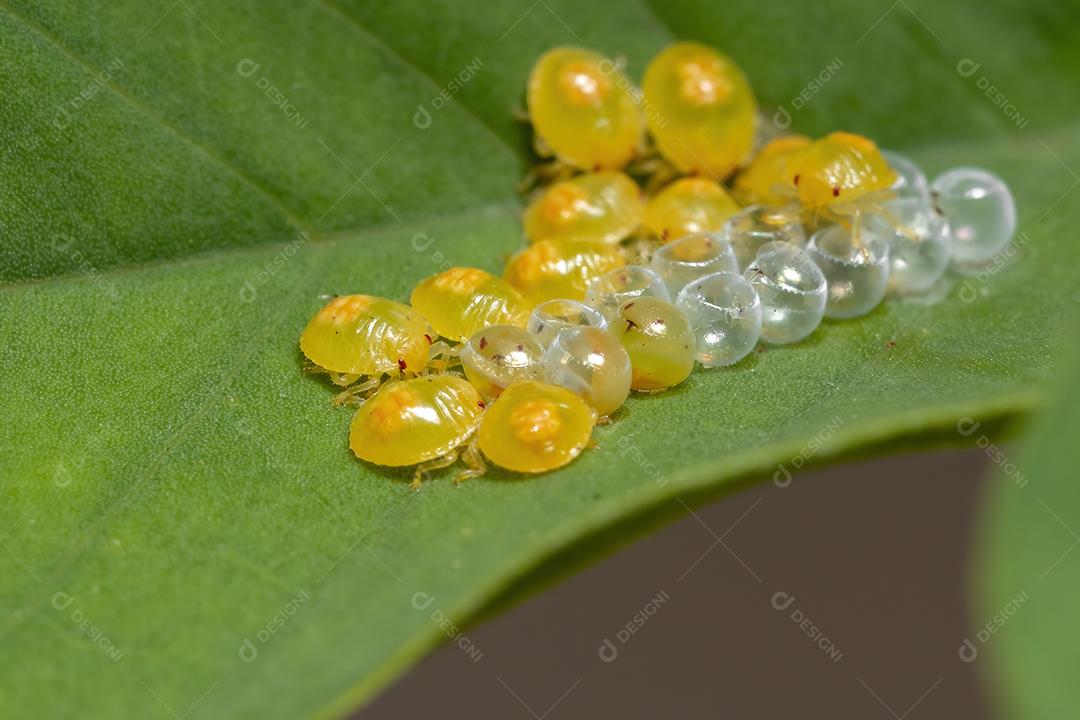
<point x="664" y="230"/>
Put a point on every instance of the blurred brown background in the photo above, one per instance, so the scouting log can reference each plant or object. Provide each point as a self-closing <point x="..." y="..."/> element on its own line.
<point x="873" y="555"/>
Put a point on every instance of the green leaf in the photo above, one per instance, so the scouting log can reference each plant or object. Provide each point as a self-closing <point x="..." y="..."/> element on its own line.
<point x="1028" y="572"/>
<point x="182" y="181"/>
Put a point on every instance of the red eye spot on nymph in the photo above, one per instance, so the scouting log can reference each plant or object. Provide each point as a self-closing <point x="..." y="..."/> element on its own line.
<point x="796" y="181"/>
<point x="428" y="338"/>
<point x="483" y="343"/>
<point x="401" y="364"/>
<point x="481" y="404"/>
<point x="835" y="191"/>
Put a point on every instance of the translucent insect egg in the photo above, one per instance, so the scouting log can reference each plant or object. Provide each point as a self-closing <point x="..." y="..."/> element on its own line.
<point x="609" y="291"/>
<point x="691" y="257"/>
<point x="462" y="300"/>
<point x="534" y="427"/>
<point x="911" y="181"/>
<point x="422" y="421"/>
<point x="765" y="181"/>
<point x="980" y="210"/>
<point x="705" y="114"/>
<point x="857" y="271"/>
<point x="834" y="172"/>
<point x="553" y="269"/>
<point x="725" y="312"/>
<point x="583" y="109"/>
<point x="756" y="225"/>
<point x="792" y="290"/>
<point x="355" y="335"/>
<point x="499" y="356"/>
<point x="591" y="363"/>
<point x="550" y="317"/>
<point x="918" y="240"/>
<point x="595" y="207"/>
<point x="659" y="341"/>
<point x="689" y="205"/>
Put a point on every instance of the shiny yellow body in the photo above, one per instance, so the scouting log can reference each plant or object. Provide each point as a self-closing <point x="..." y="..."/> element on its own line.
<point x="366" y="335"/>
<point x="765" y="181"/>
<point x="560" y="269"/>
<point x="701" y="110"/>
<point x="837" y="170"/>
<point x="659" y="340"/>
<point x="534" y="427"/>
<point x="583" y="110"/>
<point x="461" y="300"/>
<point x="596" y="207"/>
<point x="689" y="205"/>
<point x="412" y="421"/>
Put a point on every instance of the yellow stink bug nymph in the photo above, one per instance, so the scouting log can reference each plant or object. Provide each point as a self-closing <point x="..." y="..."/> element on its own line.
<point x="689" y="205"/>
<point x="462" y="300"/>
<point x="355" y="336"/>
<point x="560" y="269"/>
<point x="705" y="114"/>
<point x="765" y="180"/>
<point x="423" y="421"/>
<point x="840" y="177"/>
<point x="533" y="427"/>
<point x="583" y="110"/>
<point x="595" y="207"/>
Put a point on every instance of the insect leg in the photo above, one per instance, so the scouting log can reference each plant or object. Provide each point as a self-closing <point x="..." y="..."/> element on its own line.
<point x="474" y="463"/>
<point x="434" y="464"/>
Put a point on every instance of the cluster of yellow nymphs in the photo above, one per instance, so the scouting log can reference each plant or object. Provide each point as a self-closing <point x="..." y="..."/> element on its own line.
<point x="662" y="229"/>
